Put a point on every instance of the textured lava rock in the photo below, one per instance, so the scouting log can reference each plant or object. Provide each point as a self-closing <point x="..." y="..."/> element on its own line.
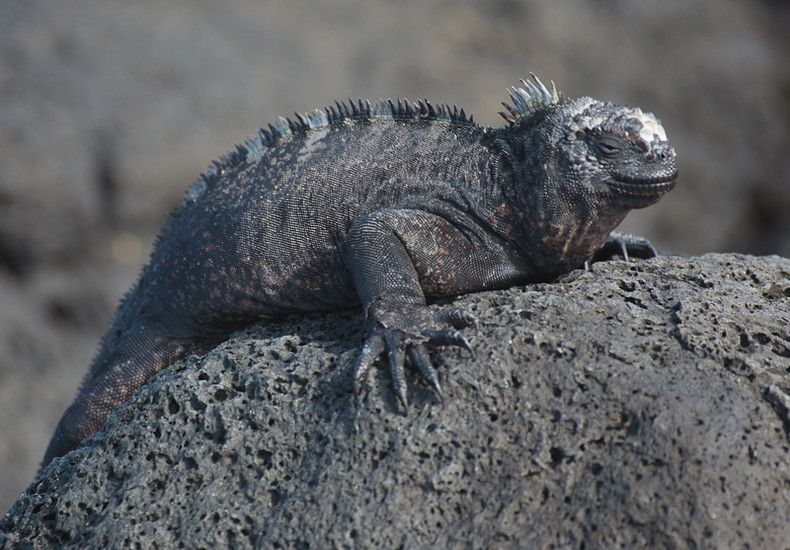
<point x="634" y="405"/>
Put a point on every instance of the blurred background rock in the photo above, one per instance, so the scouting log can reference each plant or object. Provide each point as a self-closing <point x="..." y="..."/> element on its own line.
<point x="109" y="111"/>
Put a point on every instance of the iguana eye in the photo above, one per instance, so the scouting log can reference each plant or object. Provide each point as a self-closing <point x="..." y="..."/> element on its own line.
<point x="610" y="146"/>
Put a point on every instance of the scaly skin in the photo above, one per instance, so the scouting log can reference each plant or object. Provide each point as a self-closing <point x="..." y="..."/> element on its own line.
<point x="380" y="206"/>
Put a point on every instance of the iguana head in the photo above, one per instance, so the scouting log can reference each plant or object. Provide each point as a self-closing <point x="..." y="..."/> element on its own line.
<point x="591" y="150"/>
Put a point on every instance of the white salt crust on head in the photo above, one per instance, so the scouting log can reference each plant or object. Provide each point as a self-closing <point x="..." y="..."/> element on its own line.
<point x="586" y="118"/>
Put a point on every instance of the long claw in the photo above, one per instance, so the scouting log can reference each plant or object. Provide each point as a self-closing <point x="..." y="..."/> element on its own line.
<point x="370" y="351"/>
<point x="650" y="250"/>
<point x="620" y="243"/>
<point x="398" y="373"/>
<point x="459" y="318"/>
<point x="449" y="337"/>
<point x="419" y="358"/>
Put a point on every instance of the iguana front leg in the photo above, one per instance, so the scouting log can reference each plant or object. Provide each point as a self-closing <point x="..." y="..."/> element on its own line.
<point x="394" y="257"/>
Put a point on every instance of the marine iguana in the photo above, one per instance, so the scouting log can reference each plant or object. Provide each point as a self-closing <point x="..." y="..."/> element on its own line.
<point x="380" y="206"/>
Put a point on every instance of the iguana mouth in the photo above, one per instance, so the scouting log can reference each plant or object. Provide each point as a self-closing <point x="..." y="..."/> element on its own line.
<point x="643" y="186"/>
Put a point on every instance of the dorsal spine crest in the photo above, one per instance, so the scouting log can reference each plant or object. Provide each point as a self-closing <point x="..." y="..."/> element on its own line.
<point x="342" y="112"/>
<point x="533" y="98"/>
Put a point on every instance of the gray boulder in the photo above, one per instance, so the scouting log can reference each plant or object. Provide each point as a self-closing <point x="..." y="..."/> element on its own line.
<point x="634" y="405"/>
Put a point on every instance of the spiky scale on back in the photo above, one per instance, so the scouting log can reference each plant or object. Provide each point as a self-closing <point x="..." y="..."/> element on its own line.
<point x="380" y="206"/>
<point x="342" y="112"/>
<point x="530" y="99"/>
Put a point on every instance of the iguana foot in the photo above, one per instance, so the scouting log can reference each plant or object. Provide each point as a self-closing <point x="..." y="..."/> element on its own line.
<point x="627" y="246"/>
<point x="404" y="331"/>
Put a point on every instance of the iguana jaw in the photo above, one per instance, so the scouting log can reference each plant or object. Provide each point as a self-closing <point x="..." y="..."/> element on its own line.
<point x="650" y="188"/>
<point x="641" y="186"/>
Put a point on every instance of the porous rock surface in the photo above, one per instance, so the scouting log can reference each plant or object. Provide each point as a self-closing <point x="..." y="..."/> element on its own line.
<point x="634" y="405"/>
